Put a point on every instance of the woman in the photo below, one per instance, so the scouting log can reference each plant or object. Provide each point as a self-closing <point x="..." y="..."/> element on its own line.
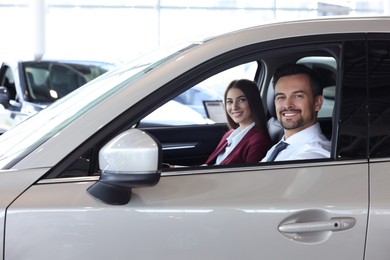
<point x="247" y="141"/>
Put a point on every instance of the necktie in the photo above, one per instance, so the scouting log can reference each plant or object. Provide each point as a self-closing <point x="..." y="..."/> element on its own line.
<point x="279" y="147"/>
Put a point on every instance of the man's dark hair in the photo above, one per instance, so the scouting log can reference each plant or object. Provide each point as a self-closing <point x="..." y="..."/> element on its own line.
<point x="294" y="69"/>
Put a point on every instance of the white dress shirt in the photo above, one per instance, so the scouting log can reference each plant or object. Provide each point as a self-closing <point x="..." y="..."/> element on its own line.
<point x="309" y="143"/>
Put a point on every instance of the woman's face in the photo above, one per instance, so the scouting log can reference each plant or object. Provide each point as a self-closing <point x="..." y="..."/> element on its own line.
<point x="237" y="107"/>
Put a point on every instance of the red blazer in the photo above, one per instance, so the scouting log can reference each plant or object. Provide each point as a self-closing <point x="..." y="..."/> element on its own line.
<point x="251" y="149"/>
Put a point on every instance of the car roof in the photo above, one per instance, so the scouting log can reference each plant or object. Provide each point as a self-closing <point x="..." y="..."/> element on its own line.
<point x="311" y="27"/>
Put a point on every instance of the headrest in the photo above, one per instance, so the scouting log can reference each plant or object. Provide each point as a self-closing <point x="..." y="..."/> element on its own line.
<point x="275" y="129"/>
<point x="58" y="75"/>
<point x="271" y="99"/>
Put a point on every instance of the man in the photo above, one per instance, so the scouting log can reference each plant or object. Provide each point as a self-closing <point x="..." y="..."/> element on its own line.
<point x="298" y="98"/>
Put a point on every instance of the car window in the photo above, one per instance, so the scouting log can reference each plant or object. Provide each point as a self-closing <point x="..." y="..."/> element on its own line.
<point x="186" y="136"/>
<point x="49" y="81"/>
<point x="63" y="112"/>
<point x="188" y="108"/>
<point x="211" y="91"/>
<point x="326" y="68"/>
<point x="379" y="104"/>
<point x="8" y="80"/>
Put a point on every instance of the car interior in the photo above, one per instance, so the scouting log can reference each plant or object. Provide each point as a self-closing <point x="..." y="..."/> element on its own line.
<point x="191" y="145"/>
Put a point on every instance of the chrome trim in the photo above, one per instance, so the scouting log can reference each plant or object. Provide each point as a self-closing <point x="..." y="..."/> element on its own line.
<point x="167" y="147"/>
<point x="377" y="160"/>
<point x="261" y="166"/>
<point x="69" y="179"/>
<point x="210" y="169"/>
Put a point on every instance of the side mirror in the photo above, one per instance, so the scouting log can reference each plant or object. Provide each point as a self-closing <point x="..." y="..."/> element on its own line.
<point x="130" y="160"/>
<point x="4" y="96"/>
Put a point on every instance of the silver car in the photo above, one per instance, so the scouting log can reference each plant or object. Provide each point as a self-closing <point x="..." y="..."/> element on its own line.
<point x="82" y="179"/>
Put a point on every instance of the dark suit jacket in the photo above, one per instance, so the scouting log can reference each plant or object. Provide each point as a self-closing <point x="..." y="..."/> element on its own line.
<point x="251" y="149"/>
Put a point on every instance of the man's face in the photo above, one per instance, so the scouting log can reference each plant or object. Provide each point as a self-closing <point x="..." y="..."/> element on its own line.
<point x="295" y="106"/>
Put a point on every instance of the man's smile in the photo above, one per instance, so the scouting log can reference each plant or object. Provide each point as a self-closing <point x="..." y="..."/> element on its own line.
<point x="290" y="113"/>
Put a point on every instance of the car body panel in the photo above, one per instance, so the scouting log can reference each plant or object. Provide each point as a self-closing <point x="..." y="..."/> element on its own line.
<point x="12" y="184"/>
<point x="194" y="216"/>
<point x="377" y="234"/>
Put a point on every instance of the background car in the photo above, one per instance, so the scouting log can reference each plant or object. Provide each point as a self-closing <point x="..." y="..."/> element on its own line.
<point x="195" y="96"/>
<point x="29" y="86"/>
<point x="82" y="179"/>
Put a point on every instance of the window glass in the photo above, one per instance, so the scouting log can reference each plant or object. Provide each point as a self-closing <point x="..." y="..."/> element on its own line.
<point x="219" y="3"/>
<point x="326" y="68"/>
<point x="379" y="92"/>
<point x="8" y="81"/>
<point x="54" y="118"/>
<point x="48" y="81"/>
<point x="352" y="141"/>
<point x="287" y="5"/>
<point x="188" y="108"/>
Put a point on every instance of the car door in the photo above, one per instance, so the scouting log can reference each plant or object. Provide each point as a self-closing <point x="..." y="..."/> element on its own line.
<point x="189" y="145"/>
<point x="218" y="214"/>
<point x="313" y="209"/>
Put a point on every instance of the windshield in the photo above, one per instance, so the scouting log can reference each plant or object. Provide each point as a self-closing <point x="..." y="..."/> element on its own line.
<point x="45" y="124"/>
<point x="47" y="81"/>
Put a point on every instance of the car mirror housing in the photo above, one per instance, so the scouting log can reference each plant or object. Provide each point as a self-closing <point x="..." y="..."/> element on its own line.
<point x="130" y="160"/>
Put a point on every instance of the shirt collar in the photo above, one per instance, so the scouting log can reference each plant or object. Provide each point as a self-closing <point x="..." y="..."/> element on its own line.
<point x="238" y="134"/>
<point x="302" y="136"/>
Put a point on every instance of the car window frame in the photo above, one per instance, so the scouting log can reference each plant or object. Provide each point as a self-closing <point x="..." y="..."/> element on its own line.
<point x="235" y="57"/>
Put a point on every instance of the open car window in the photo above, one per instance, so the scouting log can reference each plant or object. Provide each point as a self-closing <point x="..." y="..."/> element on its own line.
<point x="188" y="108"/>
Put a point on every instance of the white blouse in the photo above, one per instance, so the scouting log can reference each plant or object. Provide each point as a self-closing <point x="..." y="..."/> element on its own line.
<point x="233" y="139"/>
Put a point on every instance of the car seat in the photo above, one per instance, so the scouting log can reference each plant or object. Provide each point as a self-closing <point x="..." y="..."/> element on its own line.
<point x="63" y="80"/>
<point x="275" y="129"/>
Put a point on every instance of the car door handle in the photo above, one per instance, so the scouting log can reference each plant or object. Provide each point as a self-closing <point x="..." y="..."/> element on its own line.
<point x="334" y="224"/>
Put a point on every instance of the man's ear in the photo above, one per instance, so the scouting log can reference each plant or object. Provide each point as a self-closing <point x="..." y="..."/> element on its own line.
<point x="318" y="103"/>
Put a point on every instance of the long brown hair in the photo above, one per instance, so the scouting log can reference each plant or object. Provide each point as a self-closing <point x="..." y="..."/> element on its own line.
<point x="252" y="93"/>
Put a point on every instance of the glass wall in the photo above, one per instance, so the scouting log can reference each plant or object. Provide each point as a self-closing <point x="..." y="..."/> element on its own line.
<point x="120" y="30"/>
